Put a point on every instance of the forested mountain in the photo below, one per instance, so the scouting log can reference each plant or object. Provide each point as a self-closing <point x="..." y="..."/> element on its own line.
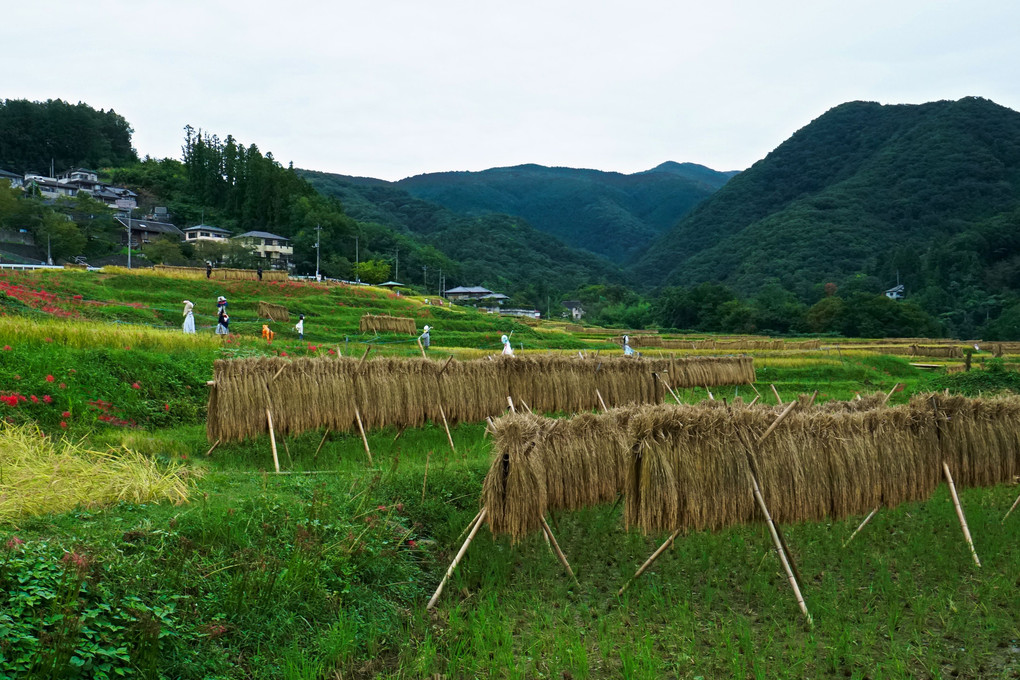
<point x="608" y="213"/>
<point x="498" y="251"/>
<point x="930" y="191"/>
<point x="35" y="134"/>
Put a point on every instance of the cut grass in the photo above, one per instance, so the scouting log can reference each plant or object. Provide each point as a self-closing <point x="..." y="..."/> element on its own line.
<point x="41" y="476"/>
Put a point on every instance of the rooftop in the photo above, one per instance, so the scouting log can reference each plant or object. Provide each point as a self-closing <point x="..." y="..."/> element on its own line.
<point x="261" y="234"/>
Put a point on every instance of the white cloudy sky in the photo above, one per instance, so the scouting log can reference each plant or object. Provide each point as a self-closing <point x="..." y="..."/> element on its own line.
<point x="392" y="88"/>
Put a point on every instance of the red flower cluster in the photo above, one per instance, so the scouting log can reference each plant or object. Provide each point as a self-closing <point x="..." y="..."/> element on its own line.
<point x="108" y="414"/>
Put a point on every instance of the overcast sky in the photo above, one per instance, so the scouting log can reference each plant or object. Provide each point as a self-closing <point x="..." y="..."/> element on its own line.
<point x="392" y="88"/>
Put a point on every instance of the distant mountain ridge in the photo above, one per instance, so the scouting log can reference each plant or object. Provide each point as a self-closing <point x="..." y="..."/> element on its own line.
<point x="609" y="213"/>
<point x="931" y="191"/>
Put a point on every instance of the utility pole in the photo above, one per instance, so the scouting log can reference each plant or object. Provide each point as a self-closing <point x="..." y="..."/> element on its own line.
<point x="357" y="261"/>
<point x="396" y="270"/>
<point x="425" y="277"/>
<point x="129" y="238"/>
<point x="318" y="233"/>
<point x="440" y="282"/>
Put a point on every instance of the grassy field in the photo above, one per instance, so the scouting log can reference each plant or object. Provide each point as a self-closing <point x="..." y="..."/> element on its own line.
<point x="324" y="572"/>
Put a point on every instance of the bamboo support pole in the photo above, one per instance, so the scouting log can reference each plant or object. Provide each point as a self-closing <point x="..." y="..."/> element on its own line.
<point x="488" y="427"/>
<point x="445" y="366"/>
<point x="277" y="374"/>
<point x="323" y="441"/>
<point x="655" y="555"/>
<point x="421" y="348"/>
<point x="510" y="401"/>
<point x="753" y="401"/>
<point x="601" y="401"/>
<point x="272" y="440"/>
<point x="668" y="387"/>
<point x="1011" y="509"/>
<point x="364" y="439"/>
<point x="453" y="565"/>
<point x="776" y="392"/>
<point x="959" y="513"/>
<point x="779" y="548"/>
<point x="888" y="396"/>
<point x="471" y="524"/>
<point x="755" y="390"/>
<point x="813" y="397"/>
<point x="363" y="357"/>
<point x="213" y="448"/>
<point x="775" y="423"/>
<point x="446" y="426"/>
<point x="559" y="553"/>
<point x="858" y="529"/>
<point x="425" y="481"/>
<point x="710" y="395"/>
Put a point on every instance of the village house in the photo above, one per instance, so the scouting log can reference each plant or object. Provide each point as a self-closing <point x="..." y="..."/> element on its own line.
<point x="276" y="249"/>
<point x="204" y="232"/>
<point x="147" y="231"/>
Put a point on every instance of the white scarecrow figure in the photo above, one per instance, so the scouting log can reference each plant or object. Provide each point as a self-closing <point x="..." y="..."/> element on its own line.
<point x="627" y="351"/>
<point x="507" y="349"/>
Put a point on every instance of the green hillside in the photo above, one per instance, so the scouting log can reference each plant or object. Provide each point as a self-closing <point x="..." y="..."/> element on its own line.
<point x="608" y="213"/>
<point x="495" y="250"/>
<point x="931" y="192"/>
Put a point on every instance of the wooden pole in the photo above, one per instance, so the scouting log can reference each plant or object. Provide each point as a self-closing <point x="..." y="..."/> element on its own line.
<point x="488" y="425"/>
<point x="959" y="513"/>
<point x="776" y="392"/>
<point x="755" y="389"/>
<point x="323" y="441"/>
<point x="209" y="452"/>
<point x="286" y="449"/>
<point x="421" y="348"/>
<point x="277" y="374"/>
<point x="754" y="400"/>
<point x="648" y="562"/>
<point x="453" y="565"/>
<point x="858" y="529"/>
<point x="559" y="553"/>
<point x="428" y="457"/>
<point x="890" y="394"/>
<point x="779" y="548"/>
<point x="272" y="440"/>
<point x="710" y="396"/>
<point x="445" y="366"/>
<point x="465" y="529"/>
<point x="510" y="401"/>
<point x="1013" y="507"/>
<point x="811" y="401"/>
<point x="601" y="402"/>
<point x="364" y="439"/>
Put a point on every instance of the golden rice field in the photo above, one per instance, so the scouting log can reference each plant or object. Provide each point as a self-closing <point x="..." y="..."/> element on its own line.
<point x="86" y="334"/>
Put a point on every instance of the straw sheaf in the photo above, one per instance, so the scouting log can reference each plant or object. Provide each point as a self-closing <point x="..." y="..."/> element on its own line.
<point x="271" y="311"/>
<point x="221" y="273"/>
<point x="380" y="323"/>
<point x="514" y="490"/>
<point x="311" y="393"/>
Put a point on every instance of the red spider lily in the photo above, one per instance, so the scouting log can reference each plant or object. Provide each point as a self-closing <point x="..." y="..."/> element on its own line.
<point x="14" y="542"/>
<point x="166" y="407"/>
<point x="411" y="543"/>
<point x="7" y="348"/>
<point x="50" y="378"/>
<point x="63" y="424"/>
<point x="62" y="386"/>
<point x="65" y="414"/>
<point x="35" y="399"/>
<point x="47" y="398"/>
<point x="136" y="386"/>
<point x="9" y="399"/>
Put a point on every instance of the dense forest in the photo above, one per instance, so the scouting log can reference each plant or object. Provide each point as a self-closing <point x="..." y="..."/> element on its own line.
<point x="608" y="213"/>
<point x="34" y="135"/>
<point x="863" y="196"/>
